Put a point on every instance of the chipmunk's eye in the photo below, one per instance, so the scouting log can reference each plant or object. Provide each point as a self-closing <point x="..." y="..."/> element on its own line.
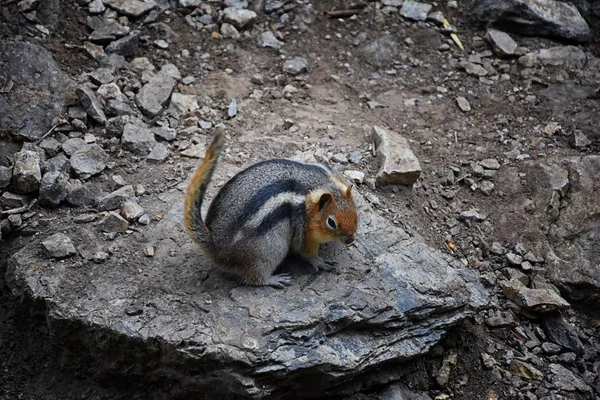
<point x="331" y="223"/>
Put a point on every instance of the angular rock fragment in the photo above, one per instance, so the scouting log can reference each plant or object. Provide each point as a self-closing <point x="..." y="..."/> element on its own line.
<point x="113" y="222"/>
<point x="6" y="174"/>
<point x="131" y="8"/>
<point x="502" y="43"/>
<point x="155" y="94"/>
<point x="59" y="246"/>
<point x="549" y="17"/>
<point x="295" y="66"/>
<point x="138" y="139"/>
<point x="240" y="18"/>
<point x="540" y="300"/>
<point x="89" y="160"/>
<point x="27" y="172"/>
<point x="398" y="164"/>
<point x="415" y="11"/>
<point x="91" y="103"/>
<point x="54" y="188"/>
<point x="126" y="46"/>
<point x="116" y="199"/>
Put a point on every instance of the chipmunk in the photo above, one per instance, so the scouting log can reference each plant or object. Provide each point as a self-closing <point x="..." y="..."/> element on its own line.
<point x="265" y="212"/>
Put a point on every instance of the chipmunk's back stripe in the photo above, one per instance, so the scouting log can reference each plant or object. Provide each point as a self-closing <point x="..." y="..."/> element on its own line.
<point x="286" y="211"/>
<point x="267" y="193"/>
<point x="274" y="209"/>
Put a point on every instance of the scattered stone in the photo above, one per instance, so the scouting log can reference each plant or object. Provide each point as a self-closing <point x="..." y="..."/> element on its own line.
<point x="498" y="320"/>
<point x="229" y="31"/>
<point x="96" y="7"/>
<point x="437" y="17"/>
<point x="161" y="44"/>
<point x="474" y="69"/>
<point x="562" y="333"/>
<point x="398" y="164"/>
<point x="149" y="251"/>
<point x="6" y="175"/>
<point x="195" y="151"/>
<point x="164" y="133"/>
<point x="274" y="5"/>
<point x="463" y="104"/>
<point x="488" y="361"/>
<point x="579" y="140"/>
<point x="84" y="195"/>
<point x="514" y="259"/>
<point x="490" y="163"/>
<point x="101" y="75"/>
<point x="443" y="375"/>
<point x="268" y="40"/>
<point x="239" y="18"/>
<point x="132" y="210"/>
<point x="117" y="107"/>
<point x="51" y="146"/>
<point x="502" y="43"/>
<point x="539" y="300"/>
<point x="392" y="3"/>
<point x="27" y="173"/>
<point x="232" y="109"/>
<point x="415" y="11"/>
<point x="486" y="188"/>
<point x="131" y="8"/>
<point x="126" y="46"/>
<point x="295" y="66"/>
<point x="109" y="91"/>
<point x="339" y="158"/>
<point x="552" y="18"/>
<point x="471" y="215"/>
<point x="155" y="94"/>
<point x="356" y="177"/>
<point x="113" y="222"/>
<point x="95" y="51"/>
<point x="525" y="370"/>
<point x="14" y="200"/>
<point x="138" y="139"/>
<point x="59" y="246"/>
<point x="159" y="153"/>
<point x="551" y="348"/>
<point x="144" y="219"/>
<point x="107" y="32"/>
<point x="100" y="256"/>
<point x="170" y="70"/>
<point x="54" y="188"/>
<point x="116" y="199"/>
<point x="566" y="380"/>
<point x="91" y="103"/>
<point x="381" y="51"/>
<point x="70" y="146"/>
<point x="184" y="102"/>
<point x="89" y="160"/>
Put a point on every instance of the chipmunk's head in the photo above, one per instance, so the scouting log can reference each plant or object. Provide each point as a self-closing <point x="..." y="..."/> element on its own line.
<point x="336" y="215"/>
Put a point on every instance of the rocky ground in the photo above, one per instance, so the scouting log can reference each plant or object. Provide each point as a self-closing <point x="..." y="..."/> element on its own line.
<point x="106" y="108"/>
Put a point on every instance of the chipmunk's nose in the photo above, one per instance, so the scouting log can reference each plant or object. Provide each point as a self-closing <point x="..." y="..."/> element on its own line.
<point x="349" y="240"/>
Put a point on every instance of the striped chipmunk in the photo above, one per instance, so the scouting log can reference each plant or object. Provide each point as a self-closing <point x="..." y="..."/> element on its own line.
<point x="267" y="211"/>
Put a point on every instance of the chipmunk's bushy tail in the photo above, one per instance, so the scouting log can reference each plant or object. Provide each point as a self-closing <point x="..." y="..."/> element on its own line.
<point x="193" y="221"/>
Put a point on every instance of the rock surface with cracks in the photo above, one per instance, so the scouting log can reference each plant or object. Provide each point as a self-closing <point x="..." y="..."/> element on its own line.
<point x="390" y="300"/>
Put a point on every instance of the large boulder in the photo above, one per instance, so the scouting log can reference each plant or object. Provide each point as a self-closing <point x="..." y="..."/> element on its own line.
<point x="35" y="89"/>
<point x="535" y="17"/>
<point x="171" y="316"/>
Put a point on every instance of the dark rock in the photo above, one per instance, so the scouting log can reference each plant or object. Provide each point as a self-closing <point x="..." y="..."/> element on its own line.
<point x="551" y="348"/>
<point x="566" y="380"/>
<point x="71" y="145"/>
<point x="116" y="199"/>
<point x="539" y="300"/>
<point x="118" y="107"/>
<point x="531" y="17"/>
<point x="102" y="75"/>
<point x="54" y="188"/>
<point x="84" y="195"/>
<point x="14" y="200"/>
<point x="345" y="333"/>
<point x="562" y="333"/>
<point x="113" y="222"/>
<point x="39" y="90"/>
<point x="51" y="146"/>
<point x="27" y="172"/>
<point x="126" y="46"/>
<point x="89" y="160"/>
<point x="59" y="246"/>
<point x="6" y="175"/>
<point x="91" y="103"/>
<point x="109" y="31"/>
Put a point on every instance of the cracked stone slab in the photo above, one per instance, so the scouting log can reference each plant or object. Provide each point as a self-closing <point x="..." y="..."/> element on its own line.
<point x="391" y="299"/>
<point x="155" y="94"/>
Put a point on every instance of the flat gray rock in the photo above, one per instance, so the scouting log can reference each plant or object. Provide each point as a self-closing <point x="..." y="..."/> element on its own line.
<point x="159" y="153"/>
<point x="126" y="46"/>
<point x="398" y="164"/>
<point x="89" y="160"/>
<point x="534" y="17"/>
<point x="138" y="139"/>
<point x="390" y="300"/>
<point x="39" y="90"/>
<point x="116" y="199"/>
<point x="155" y="94"/>
<point x="501" y="42"/>
<point x="415" y="11"/>
<point x="6" y="174"/>
<point x="90" y="102"/>
<point x="268" y="40"/>
<point x="131" y="8"/>
<point x="107" y="32"/>
<point x="295" y="66"/>
<point x="59" y="246"/>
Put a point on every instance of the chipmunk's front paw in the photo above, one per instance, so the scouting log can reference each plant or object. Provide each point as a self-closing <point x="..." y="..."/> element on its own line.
<point x="319" y="264"/>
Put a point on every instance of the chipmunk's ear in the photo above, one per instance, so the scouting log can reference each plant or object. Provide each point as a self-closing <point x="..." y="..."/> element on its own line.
<point x="324" y="199"/>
